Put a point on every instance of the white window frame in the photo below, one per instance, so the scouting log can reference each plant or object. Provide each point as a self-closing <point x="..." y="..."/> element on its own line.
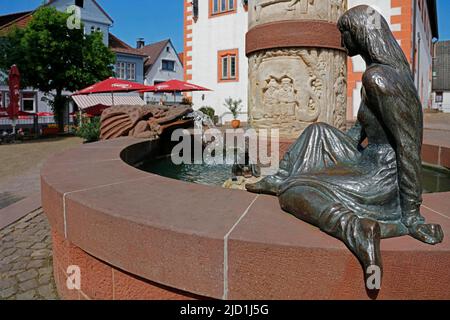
<point x="131" y="71"/>
<point x="121" y="68"/>
<point x="29" y="99"/>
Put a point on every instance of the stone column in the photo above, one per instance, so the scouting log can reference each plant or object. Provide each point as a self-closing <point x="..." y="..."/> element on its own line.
<point x="297" y="67"/>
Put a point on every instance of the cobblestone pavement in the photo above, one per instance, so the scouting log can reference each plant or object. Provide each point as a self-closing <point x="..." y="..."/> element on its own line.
<point x="26" y="271"/>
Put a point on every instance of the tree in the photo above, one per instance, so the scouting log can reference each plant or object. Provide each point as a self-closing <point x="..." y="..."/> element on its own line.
<point x="54" y="58"/>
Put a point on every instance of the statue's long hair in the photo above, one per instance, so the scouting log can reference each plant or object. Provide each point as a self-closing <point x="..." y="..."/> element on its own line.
<point x="374" y="39"/>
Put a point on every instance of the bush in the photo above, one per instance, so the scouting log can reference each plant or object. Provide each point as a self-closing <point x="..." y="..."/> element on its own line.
<point x="210" y="112"/>
<point x="89" y="130"/>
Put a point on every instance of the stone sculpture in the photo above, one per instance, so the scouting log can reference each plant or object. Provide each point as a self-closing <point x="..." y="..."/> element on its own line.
<point x="295" y="81"/>
<point x="362" y="195"/>
<point x="140" y="121"/>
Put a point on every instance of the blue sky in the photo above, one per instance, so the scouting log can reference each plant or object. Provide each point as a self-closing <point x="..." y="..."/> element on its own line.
<point x="156" y="20"/>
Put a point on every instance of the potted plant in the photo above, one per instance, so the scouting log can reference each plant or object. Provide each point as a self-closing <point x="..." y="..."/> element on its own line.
<point x="235" y="107"/>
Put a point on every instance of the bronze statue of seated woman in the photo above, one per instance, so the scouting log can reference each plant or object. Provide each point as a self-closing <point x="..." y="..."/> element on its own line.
<point x="361" y="195"/>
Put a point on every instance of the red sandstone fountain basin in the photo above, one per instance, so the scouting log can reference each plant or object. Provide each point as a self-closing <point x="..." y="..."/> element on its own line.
<point x="136" y="235"/>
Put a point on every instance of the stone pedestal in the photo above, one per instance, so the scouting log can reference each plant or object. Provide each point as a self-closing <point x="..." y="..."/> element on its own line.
<point x="297" y="67"/>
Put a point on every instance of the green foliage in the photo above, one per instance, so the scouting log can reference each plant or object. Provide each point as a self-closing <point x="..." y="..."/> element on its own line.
<point x="89" y="129"/>
<point x="210" y="112"/>
<point x="235" y="106"/>
<point x="53" y="58"/>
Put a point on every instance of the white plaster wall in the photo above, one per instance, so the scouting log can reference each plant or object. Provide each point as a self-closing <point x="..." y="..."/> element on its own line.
<point x="210" y="36"/>
<point x="423" y="68"/>
<point x="444" y="105"/>
<point x="384" y="7"/>
<point x="157" y="74"/>
<point x="91" y="15"/>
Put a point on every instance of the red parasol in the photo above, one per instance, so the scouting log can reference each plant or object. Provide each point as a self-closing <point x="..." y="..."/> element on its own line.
<point x="14" y="95"/>
<point x="112" y="85"/>
<point x="175" y="86"/>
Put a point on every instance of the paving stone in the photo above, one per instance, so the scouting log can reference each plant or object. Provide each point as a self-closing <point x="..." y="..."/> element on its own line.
<point x="46" y="270"/>
<point x="27" y="275"/>
<point x="44" y="279"/>
<point x="47" y="291"/>
<point x="8" y="252"/>
<point x="29" y="295"/>
<point x="20" y="265"/>
<point x="28" y="285"/>
<point x="34" y="264"/>
<point x="6" y="283"/>
<point x="20" y="226"/>
<point x="38" y="246"/>
<point x="24" y="245"/>
<point x="26" y="270"/>
<point x="6" y="293"/>
<point x="41" y="253"/>
<point x="5" y="267"/>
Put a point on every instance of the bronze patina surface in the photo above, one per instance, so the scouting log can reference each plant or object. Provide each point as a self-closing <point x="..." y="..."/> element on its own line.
<point x="354" y="193"/>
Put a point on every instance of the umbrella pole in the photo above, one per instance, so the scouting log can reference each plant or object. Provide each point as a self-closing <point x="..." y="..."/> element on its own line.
<point x="112" y="96"/>
<point x="14" y="126"/>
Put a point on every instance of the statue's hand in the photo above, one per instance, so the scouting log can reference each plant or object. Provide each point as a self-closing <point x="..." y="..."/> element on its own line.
<point x="428" y="233"/>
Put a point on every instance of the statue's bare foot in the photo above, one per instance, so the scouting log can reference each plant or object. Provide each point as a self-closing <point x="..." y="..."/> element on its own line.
<point x="428" y="233"/>
<point x="366" y="246"/>
<point x="269" y="185"/>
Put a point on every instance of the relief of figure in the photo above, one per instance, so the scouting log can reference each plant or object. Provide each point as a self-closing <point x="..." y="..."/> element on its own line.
<point x="362" y="194"/>
<point x="340" y="87"/>
<point x="287" y="97"/>
<point x="337" y="6"/>
<point x="270" y="97"/>
<point x="309" y="105"/>
<point x="261" y="4"/>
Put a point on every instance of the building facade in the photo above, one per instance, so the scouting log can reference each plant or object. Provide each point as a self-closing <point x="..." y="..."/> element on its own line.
<point x="414" y="25"/>
<point x="214" y="33"/>
<point x="129" y="61"/>
<point x="214" y="37"/>
<point x="162" y="63"/>
<point x="441" y="77"/>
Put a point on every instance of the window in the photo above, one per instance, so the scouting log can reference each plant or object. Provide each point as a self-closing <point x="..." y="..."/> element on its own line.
<point x="126" y="71"/>
<point x="28" y="101"/>
<point x="121" y="68"/>
<point x="228" y="65"/>
<point x="168" y="65"/>
<point x="439" y="97"/>
<point x="92" y="29"/>
<point x="79" y="3"/>
<point x="6" y="99"/>
<point x="218" y="7"/>
<point x="131" y="71"/>
<point x="1" y="100"/>
<point x="168" y="49"/>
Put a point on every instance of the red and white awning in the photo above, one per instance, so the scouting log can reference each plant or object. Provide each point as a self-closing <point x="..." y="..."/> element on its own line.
<point x="87" y="101"/>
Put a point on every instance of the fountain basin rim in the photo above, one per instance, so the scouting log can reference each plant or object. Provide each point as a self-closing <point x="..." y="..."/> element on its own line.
<point x="215" y="242"/>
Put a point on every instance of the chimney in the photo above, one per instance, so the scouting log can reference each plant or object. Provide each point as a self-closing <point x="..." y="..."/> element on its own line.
<point x="140" y="43"/>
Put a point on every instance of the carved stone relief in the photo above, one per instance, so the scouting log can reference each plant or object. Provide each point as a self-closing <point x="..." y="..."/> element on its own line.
<point x="292" y="88"/>
<point x="264" y="11"/>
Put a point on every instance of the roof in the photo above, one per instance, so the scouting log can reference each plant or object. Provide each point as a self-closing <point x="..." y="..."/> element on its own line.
<point x="21" y="19"/>
<point x="119" y="46"/>
<point x="95" y="2"/>
<point x="181" y="57"/>
<point x="432" y="12"/>
<point x="8" y="18"/>
<point x="153" y="51"/>
<point x="87" y="101"/>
